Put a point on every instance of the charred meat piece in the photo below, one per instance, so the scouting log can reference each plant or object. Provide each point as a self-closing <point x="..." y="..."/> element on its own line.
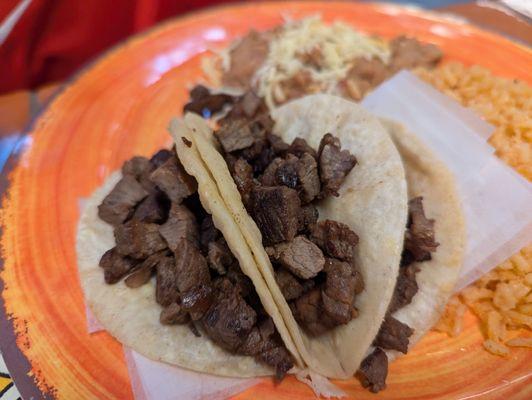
<point x="161" y="157"/>
<point x="276" y="211"/>
<point x="290" y="287"/>
<point x="181" y="225"/>
<point x="153" y="208"/>
<point x="335" y="239"/>
<point x="242" y="284"/>
<point x="393" y="335"/>
<point x="115" y="266"/>
<point x="173" y="180"/>
<point x="286" y="173"/>
<point x="405" y="288"/>
<point x="269" y="177"/>
<point x="243" y="176"/>
<point x="220" y="256"/>
<point x="230" y="319"/>
<point x="339" y="291"/>
<point x="204" y="103"/>
<point x="142" y="273"/>
<point x="208" y="233"/>
<point x="300" y="146"/>
<point x="374" y="370"/>
<point x="247" y="106"/>
<point x="246" y="58"/>
<point x="138" y="239"/>
<point x="235" y="134"/>
<point x="166" y="291"/>
<point x="278" y="145"/>
<point x="419" y="236"/>
<point x="191" y="266"/>
<point x="408" y="53"/>
<point x="309" y="216"/>
<point x="140" y="168"/>
<point x="309" y="181"/>
<point x="334" y="165"/>
<point x="308" y="311"/>
<point x="174" y="314"/>
<point x="118" y="205"/>
<point x="301" y="257"/>
<point x="197" y="300"/>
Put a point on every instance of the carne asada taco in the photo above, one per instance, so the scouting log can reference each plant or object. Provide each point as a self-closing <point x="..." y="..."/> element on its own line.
<point x="332" y="279"/>
<point x="192" y="294"/>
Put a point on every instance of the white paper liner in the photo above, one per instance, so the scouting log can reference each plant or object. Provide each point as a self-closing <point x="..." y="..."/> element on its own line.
<point x="497" y="201"/>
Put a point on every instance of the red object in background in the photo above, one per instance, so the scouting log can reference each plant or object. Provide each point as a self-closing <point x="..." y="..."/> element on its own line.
<point x="56" y="37"/>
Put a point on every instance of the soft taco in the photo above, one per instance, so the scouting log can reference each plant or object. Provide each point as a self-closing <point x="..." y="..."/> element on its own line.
<point x="165" y="270"/>
<point x="244" y="157"/>
<point x="331" y="279"/>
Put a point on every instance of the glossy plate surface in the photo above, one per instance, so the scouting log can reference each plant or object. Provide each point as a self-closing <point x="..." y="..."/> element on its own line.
<point x="119" y="107"/>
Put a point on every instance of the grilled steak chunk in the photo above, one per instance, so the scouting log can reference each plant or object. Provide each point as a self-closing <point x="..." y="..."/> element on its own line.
<point x="242" y="174"/>
<point x="242" y="284"/>
<point x="235" y="134"/>
<point x="161" y="157"/>
<point x="119" y="203"/>
<point x="286" y="173"/>
<point x="374" y="370"/>
<point x="173" y="180"/>
<point x="191" y="267"/>
<point x="197" y="300"/>
<point x="309" y="215"/>
<point x="300" y="146"/>
<point x="138" y="239"/>
<point x="308" y="311"/>
<point x="230" y="319"/>
<point x="309" y="181"/>
<point x="301" y="257"/>
<point x="405" y="288"/>
<point x="152" y="209"/>
<point x="278" y="145"/>
<point x="166" y="291"/>
<point x="142" y="273"/>
<point x="204" y="103"/>
<point x="208" y="233"/>
<point x="341" y="285"/>
<point x="419" y="236"/>
<point x="181" y="225"/>
<point x="290" y="287"/>
<point x="220" y="256"/>
<point x="334" y="165"/>
<point x="393" y="335"/>
<point x="115" y="265"/>
<point x="269" y="177"/>
<point x="276" y="211"/>
<point x="140" y="168"/>
<point x="335" y="239"/>
<point x="173" y="314"/>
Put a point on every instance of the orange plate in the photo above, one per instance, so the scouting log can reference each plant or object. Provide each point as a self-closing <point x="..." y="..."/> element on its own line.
<point x="119" y="107"/>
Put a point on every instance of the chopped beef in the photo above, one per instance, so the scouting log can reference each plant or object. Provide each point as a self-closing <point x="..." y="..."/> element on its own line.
<point x="197" y="300"/>
<point x="208" y="233"/>
<point x="138" y="239"/>
<point x="243" y="176"/>
<point x="140" y="168"/>
<point x="393" y="335"/>
<point x="161" y="157"/>
<point x="309" y="215"/>
<point x="166" y="291"/>
<point x="278" y="145"/>
<point x="276" y="211"/>
<point x="265" y="343"/>
<point x="174" y="314"/>
<point x="173" y="180"/>
<point x="235" y="134"/>
<point x="307" y="174"/>
<point x="205" y="103"/>
<point x="191" y="267"/>
<point x="405" y="288"/>
<point x="181" y="225"/>
<point x="300" y="146"/>
<point x="334" y="165"/>
<point x="290" y="287"/>
<point x="247" y="106"/>
<point x="246" y="58"/>
<point x="229" y="319"/>
<point x="374" y="370"/>
<point x="308" y="311"/>
<point x="301" y="257"/>
<point x="419" y="236"/>
<point x="142" y="273"/>
<point x="339" y="291"/>
<point x="115" y="266"/>
<point x="220" y="256"/>
<point x="118" y="205"/>
<point x="335" y="239"/>
<point x="408" y="53"/>
<point x="241" y="282"/>
<point x="152" y="208"/>
<point x="286" y="173"/>
<point x="269" y="177"/>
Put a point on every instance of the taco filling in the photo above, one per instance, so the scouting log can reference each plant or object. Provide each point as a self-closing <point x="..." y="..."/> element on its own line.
<point x="162" y="232"/>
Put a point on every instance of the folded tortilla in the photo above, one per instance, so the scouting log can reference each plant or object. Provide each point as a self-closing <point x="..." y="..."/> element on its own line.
<point x="132" y="315"/>
<point x="372" y="202"/>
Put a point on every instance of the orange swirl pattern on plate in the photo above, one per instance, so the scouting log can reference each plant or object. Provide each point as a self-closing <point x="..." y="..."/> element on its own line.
<point x="119" y="107"/>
